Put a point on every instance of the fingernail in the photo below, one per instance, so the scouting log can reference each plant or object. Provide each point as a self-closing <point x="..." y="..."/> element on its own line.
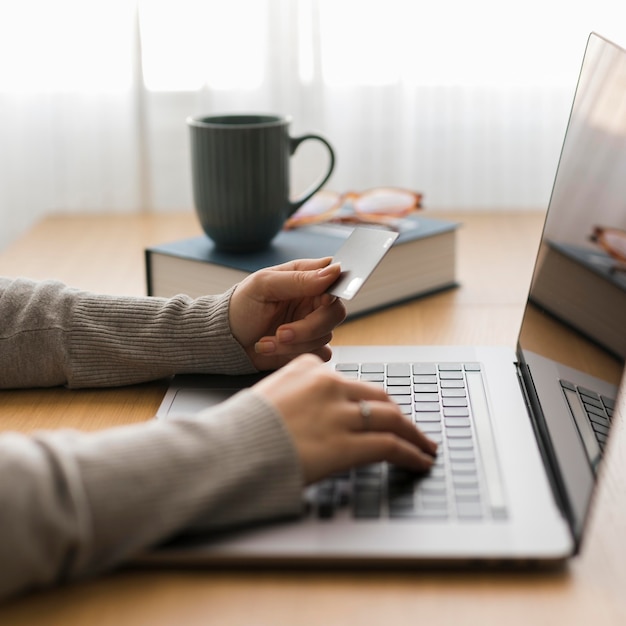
<point x="264" y="347"/>
<point x="285" y="335"/>
<point x="329" y="269"/>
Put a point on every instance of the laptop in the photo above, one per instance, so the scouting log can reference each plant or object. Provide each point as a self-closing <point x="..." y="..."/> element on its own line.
<point x="522" y="432"/>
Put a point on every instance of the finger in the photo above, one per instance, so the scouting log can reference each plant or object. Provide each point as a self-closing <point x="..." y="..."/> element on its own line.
<point x="316" y="324"/>
<point x="325" y="299"/>
<point x="357" y="390"/>
<point x="282" y="283"/>
<point x="306" y="335"/>
<point x="386" y="417"/>
<point x="270" y="347"/>
<point x="324" y="353"/>
<point x="374" y="447"/>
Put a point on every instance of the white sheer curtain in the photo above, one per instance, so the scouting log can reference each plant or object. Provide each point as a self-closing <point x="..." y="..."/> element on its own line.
<point x="466" y="102"/>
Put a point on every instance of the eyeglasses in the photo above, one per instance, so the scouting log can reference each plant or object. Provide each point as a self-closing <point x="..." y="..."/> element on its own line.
<point x="383" y="206"/>
<point x="613" y="242"/>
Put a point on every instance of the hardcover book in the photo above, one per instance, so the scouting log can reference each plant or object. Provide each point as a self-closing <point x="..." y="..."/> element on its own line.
<point x="575" y="302"/>
<point x="421" y="261"/>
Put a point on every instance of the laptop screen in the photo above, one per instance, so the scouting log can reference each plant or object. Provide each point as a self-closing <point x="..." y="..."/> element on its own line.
<point x="576" y="313"/>
<point x="573" y="335"/>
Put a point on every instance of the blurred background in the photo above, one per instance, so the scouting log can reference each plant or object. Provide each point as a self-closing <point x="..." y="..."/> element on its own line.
<point x="466" y="102"/>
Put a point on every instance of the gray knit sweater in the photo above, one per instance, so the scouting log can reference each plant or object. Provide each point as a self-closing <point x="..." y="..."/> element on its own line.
<point x="73" y="504"/>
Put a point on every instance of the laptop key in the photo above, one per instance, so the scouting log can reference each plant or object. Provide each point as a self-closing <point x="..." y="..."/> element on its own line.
<point x="469" y="510"/>
<point x="602" y="438"/>
<point x="467" y="496"/>
<point x="440" y="504"/>
<point x="427" y="416"/>
<point x="600" y="430"/>
<point x="436" y="488"/>
<point x="454" y="402"/>
<point x="401" y="502"/>
<point x="400" y="390"/>
<point x="373" y="377"/>
<point x="367" y="505"/>
<point x="593" y="410"/>
<point x="372" y="368"/>
<point x="462" y="481"/>
<point x="398" y="370"/>
<point x="463" y="468"/>
<point x="453" y="393"/>
<point x="401" y="398"/>
<point x="462" y="455"/>
<point x="593" y="402"/>
<point x="589" y="393"/>
<point x="457" y="422"/>
<point x="451" y="375"/>
<point x="327" y="500"/>
<point x="425" y="388"/>
<point x="429" y="427"/>
<point x="598" y="419"/>
<point x="609" y="403"/>
<point x="452" y="384"/>
<point x="427" y="407"/>
<point x="459" y="433"/>
<point x="425" y="378"/>
<point x="460" y="444"/>
<point x="347" y="367"/>
<point x="427" y="397"/>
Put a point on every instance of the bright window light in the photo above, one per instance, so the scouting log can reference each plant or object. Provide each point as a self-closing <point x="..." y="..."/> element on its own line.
<point x="306" y="41"/>
<point x="456" y="42"/>
<point x="66" y="46"/>
<point x="187" y="45"/>
<point x="361" y="40"/>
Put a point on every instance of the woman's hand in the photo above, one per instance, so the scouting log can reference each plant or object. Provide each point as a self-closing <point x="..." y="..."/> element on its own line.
<point x="337" y="423"/>
<point x="283" y="311"/>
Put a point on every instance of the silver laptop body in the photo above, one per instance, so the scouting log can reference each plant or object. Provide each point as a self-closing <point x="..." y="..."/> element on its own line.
<point x="520" y="490"/>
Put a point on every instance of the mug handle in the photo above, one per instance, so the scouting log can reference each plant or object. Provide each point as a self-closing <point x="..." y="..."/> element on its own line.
<point x="294" y="142"/>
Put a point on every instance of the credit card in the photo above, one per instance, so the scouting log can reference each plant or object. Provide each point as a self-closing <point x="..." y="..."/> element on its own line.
<point x="362" y="251"/>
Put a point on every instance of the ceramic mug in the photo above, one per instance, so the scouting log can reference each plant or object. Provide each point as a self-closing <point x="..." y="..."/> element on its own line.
<point x="241" y="177"/>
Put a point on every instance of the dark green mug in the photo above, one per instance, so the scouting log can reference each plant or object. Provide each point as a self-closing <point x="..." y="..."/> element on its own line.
<point x="240" y="173"/>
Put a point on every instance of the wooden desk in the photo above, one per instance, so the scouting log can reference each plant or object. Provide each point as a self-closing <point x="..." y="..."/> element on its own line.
<point x="105" y="253"/>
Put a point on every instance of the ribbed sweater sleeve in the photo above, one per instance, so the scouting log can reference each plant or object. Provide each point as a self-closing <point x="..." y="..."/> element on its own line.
<point x="53" y="335"/>
<point x="74" y="504"/>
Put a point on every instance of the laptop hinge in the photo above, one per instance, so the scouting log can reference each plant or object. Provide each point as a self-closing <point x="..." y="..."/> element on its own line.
<point x="544" y="442"/>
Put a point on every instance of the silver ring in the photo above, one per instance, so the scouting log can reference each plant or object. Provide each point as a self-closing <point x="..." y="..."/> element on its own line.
<point x="366" y="413"/>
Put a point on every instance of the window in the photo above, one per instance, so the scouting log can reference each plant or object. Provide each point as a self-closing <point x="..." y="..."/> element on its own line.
<point x="188" y="45"/>
<point x="66" y="46"/>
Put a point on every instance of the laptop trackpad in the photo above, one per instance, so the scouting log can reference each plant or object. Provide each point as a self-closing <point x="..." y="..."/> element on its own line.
<point x="188" y="401"/>
<point x="190" y="393"/>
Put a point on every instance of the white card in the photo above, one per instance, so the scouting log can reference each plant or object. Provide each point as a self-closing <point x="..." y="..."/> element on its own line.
<point x="358" y="256"/>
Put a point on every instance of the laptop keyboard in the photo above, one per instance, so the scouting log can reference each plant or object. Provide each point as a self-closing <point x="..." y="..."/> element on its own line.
<point x="436" y="398"/>
<point x="594" y="421"/>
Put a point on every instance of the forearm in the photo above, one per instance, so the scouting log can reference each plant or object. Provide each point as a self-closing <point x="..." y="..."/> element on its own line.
<point x="53" y="335"/>
<point x="75" y="504"/>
